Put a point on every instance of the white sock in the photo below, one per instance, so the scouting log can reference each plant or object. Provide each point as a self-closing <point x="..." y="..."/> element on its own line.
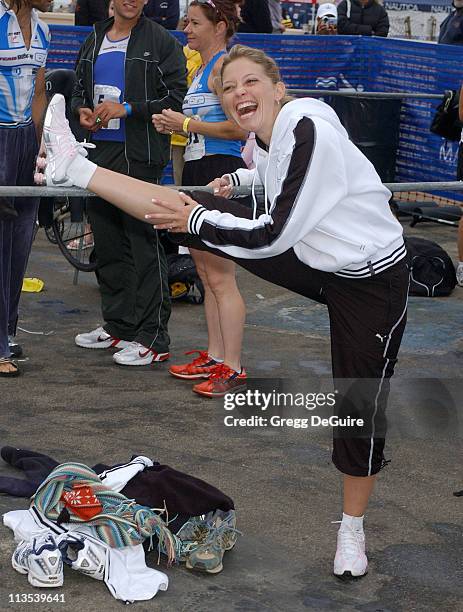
<point x="215" y="358"/>
<point x="460" y="264"/>
<point x="80" y="171"/>
<point x="352" y="522"/>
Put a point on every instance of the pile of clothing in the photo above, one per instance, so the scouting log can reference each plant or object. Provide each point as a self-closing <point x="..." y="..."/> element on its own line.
<point x="100" y="520"/>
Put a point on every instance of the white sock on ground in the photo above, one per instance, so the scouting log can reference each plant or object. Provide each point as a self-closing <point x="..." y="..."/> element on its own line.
<point x="352" y="522"/>
<point x="80" y="171"/>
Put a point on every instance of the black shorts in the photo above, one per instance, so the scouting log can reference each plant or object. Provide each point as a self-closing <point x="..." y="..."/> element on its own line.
<point x="203" y="171"/>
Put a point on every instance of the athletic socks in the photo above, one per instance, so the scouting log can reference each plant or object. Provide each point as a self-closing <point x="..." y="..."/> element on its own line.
<point x="352" y="522"/>
<point x="80" y="171"/>
<point x="215" y="358"/>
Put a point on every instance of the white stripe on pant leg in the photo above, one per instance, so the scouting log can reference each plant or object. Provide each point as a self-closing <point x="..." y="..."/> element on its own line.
<point x="372" y="441"/>
<point x="382" y="380"/>
<point x="398" y="322"/>
<point x="161" y="302"/>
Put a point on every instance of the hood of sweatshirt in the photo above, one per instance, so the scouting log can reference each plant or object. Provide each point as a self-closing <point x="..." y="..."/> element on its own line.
<point x="305" y="107"/>
<point x="287" y="119"/>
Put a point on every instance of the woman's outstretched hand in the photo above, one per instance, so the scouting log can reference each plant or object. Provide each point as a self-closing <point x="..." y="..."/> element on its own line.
<point x="172" y="216"/>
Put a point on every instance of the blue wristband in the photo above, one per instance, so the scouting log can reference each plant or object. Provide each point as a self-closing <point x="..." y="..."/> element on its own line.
<point x="128" y="108"/>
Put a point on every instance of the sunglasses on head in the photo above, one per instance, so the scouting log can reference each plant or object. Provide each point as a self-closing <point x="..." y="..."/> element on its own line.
<point x="208" y="2"/>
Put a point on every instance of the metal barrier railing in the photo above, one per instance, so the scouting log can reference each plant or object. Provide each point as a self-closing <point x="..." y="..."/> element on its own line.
<point x="76" y="192"/>
<point x="365" y="94"/>
<point x="415" y="189"/>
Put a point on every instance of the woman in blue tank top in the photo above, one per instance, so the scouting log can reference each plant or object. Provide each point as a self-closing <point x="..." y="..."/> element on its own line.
<point x="213" y="149"/>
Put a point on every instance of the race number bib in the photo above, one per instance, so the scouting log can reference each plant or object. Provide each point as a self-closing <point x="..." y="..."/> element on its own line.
<point x="196" y="145"/>
<point x="107" y="93"/>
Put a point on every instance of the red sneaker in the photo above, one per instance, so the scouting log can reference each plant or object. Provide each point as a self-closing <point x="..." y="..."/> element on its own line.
<point x="201" y="367"/>
<point x="222" y="380"/>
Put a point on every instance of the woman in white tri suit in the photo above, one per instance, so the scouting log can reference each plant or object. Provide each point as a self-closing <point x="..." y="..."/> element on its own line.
<point x="213" y="149"/>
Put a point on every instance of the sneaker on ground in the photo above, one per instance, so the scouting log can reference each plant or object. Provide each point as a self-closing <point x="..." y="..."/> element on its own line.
<point x="40" y="560"/>
<point x="60" y="144"/>
<point x="15" y="348"/>
<point x="350" y="560"/>
<point x="201" y="367"/>
<point x="459" y="272"/>
<point x="83" y="555"/>
<point x="99" y="339"/>
<point x="135" y="354"/>
<point x="221" y="536"/>
<point x="221" y="381"/>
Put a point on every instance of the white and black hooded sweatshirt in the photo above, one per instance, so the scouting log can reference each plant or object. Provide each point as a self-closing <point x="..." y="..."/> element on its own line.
<point x="323" y="198"/>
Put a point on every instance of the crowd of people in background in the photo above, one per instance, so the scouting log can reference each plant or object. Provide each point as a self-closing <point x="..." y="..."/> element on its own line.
<point x="350" y="17"/>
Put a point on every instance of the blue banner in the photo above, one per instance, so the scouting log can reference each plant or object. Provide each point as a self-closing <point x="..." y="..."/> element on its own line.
<point x="356" y="62"/>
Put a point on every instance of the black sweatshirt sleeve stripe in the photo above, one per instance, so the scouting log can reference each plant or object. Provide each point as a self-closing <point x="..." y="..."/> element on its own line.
<point x="287" y="200"/>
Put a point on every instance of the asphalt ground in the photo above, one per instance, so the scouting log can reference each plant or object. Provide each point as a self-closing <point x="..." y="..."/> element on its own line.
<point x="76" y="404"/>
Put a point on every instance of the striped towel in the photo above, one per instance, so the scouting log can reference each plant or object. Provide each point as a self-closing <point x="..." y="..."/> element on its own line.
<point x="121" y="521"/>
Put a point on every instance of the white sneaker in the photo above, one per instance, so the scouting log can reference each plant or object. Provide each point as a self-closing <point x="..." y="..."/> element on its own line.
<point x="40" y="560"/>
<point x="138" y="355"/>
<point x="60" y="144"/>
<point x="350" y="560"/>
<point x="83" y="555"/>
<point x="99" y="339"/>
<point x="459" y="272"/>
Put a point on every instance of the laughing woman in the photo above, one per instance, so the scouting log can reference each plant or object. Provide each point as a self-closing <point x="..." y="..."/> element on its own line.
<point x="327" y="233"/>
<point x="213" y="149"/>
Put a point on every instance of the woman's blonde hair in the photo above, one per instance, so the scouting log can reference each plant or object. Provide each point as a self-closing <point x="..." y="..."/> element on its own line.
<point x="260" y="58"/>
<point x="254" y="55"/>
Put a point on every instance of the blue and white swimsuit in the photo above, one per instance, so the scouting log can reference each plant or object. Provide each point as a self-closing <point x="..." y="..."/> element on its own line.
<point x="204" y="105"/>
<point x="19" y="66"/>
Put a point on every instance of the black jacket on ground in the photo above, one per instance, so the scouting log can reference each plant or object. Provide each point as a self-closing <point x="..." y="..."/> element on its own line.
<point x="155" y="79"/>
<point x="368" y="20"/>
<point x="89" y="12"/>
<point x="255" y="16"/>
<point x="451" y="29"/>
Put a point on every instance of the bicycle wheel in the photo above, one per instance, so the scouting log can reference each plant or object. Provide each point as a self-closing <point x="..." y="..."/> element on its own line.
<point x="75" y="240"/>
<point x="50" y="234"/>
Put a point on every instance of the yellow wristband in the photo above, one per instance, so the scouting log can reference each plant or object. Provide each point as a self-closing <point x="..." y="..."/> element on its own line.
<point x="185" y="124"/>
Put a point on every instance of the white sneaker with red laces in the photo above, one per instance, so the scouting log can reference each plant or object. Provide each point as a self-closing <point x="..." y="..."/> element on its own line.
<point x="99" y="339"/>
<point x="60" y="144"/>
<point x="350" y="560"/>
<point x="135" y="354"/>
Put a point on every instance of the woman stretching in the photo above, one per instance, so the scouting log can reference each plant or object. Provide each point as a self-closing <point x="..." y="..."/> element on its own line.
<point x="213" y="149"/>
<point x="327" y="234"/>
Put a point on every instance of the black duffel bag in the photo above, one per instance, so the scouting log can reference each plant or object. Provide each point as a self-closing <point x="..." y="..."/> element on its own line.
<point x="432" y="273"/>
<point x="446" y="121"/>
